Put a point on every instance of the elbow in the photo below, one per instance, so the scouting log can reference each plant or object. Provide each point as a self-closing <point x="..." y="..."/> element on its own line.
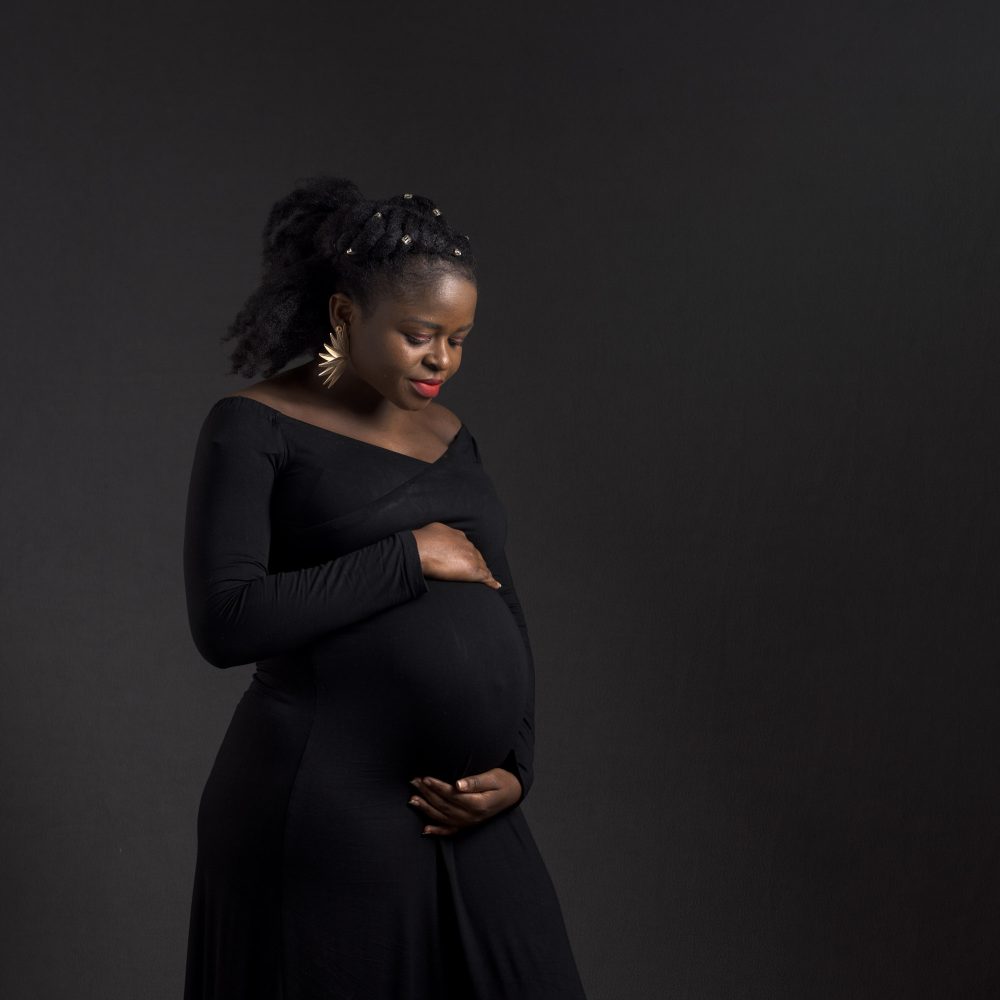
<point x="218" y="627"/>
<point x="215" y="646"/>
<point x="526" y="776"/>
<point x="221" y="661"/>
<point x="217" y="655"/>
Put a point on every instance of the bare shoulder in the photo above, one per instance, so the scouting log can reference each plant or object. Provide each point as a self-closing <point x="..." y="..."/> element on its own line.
<point x="445" y="422"/>
<point x="271" y="391"/>
<point x="281" y="392"/>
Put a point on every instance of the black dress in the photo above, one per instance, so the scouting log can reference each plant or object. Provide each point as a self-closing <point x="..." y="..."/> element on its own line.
<point x="313" y="879"/>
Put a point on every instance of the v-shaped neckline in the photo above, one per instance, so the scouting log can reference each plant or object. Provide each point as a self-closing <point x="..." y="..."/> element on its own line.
<point x="348" y="437"/>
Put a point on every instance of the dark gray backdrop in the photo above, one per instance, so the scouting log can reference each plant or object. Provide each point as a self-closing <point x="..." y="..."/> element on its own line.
<point x="734" y="373"/>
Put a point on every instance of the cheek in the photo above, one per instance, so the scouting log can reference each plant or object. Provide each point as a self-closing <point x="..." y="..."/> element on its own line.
<point x="402" y="358"/>
<point x="387" y="358"/>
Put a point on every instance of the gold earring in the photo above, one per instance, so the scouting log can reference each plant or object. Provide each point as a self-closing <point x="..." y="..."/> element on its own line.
<point x="333" y="357"/>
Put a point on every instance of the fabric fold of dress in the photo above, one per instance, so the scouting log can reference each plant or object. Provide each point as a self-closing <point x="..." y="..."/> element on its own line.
<point x="312" y="877"/>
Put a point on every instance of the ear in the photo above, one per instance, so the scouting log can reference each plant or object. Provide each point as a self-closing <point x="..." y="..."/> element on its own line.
<point x="341" y="310"/>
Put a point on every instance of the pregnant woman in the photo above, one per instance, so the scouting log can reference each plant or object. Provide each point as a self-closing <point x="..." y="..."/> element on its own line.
<point x="359" y="835"/>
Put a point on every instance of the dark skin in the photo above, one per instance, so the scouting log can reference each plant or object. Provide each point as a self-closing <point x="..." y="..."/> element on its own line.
<point x="420" y="336"/>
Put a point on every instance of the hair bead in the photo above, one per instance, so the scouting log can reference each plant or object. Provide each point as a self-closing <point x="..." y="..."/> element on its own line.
<point x="317" y="223"/>
<point x="406" y="239"/>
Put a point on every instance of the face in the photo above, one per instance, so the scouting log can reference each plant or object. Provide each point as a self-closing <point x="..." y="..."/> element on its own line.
<point x="416" y="337"/>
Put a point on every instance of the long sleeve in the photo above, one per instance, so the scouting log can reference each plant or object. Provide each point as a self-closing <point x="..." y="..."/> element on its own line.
<point x="237" y="611"/>
<point x="520" y="760"/>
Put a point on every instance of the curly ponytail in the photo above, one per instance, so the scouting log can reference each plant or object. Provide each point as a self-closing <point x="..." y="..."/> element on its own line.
<point x="324" y="237"/>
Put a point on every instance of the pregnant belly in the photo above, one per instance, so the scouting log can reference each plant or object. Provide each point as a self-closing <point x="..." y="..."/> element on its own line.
<point x="435" y="685"/>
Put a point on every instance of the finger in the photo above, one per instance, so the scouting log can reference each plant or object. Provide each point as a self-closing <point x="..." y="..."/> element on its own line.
<point x="486" y="575"/>
<point x="471" y="783"/>
<point x="453" y="805"/>
<point x="448" y="802"/>
<point x="432" y="812"/>
<point x="440" y="831"/>
<point x="454" y="801"/>
<point x="485" y="781"/>
<point x="437" y="791"/>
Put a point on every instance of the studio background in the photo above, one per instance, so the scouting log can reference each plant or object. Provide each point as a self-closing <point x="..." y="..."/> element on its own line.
<point x="734" y="373"/>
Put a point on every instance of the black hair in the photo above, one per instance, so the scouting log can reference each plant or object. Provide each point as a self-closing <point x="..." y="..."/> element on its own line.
<point x="305" y="260"/>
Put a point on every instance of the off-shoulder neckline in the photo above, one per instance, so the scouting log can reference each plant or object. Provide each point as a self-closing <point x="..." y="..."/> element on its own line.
<point x="347" y="437"/>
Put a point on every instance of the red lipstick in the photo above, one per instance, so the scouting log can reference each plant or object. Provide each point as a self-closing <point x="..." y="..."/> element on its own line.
<point x="427" y="387"/>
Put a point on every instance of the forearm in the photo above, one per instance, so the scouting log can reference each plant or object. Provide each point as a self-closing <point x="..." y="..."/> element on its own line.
<point x="235" y="621"/>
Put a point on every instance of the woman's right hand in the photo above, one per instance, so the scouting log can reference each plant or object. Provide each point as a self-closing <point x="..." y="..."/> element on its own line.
<point x="447" y="554"/>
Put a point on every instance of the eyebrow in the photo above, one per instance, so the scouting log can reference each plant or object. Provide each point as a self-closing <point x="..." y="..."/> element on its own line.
<point x="433" y="326"/>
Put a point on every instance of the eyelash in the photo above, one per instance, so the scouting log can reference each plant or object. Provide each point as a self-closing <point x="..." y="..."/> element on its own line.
<point x="417" y="341"/>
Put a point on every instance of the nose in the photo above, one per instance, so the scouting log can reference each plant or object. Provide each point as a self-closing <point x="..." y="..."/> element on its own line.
<point x="437" y="356"/>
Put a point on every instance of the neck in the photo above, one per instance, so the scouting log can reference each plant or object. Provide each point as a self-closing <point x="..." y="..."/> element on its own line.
<point x="349" y="394"/>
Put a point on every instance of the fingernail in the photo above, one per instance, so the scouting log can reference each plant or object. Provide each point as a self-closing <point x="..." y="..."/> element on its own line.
<point x="415" y="782"/>
<point x="460" y="784"/>
<point x="414" y="801"/>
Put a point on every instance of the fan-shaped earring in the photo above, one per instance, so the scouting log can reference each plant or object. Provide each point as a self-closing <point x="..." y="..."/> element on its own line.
<point x="333" y="357"/>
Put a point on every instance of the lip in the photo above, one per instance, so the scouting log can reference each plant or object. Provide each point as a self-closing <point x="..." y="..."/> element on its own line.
<point x="428" y="388"/>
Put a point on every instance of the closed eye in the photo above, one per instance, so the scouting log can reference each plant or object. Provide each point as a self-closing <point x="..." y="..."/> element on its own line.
<point x="417" y="341"/>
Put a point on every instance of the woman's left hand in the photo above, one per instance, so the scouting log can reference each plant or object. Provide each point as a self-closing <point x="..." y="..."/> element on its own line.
<point x="470" y="801"/>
